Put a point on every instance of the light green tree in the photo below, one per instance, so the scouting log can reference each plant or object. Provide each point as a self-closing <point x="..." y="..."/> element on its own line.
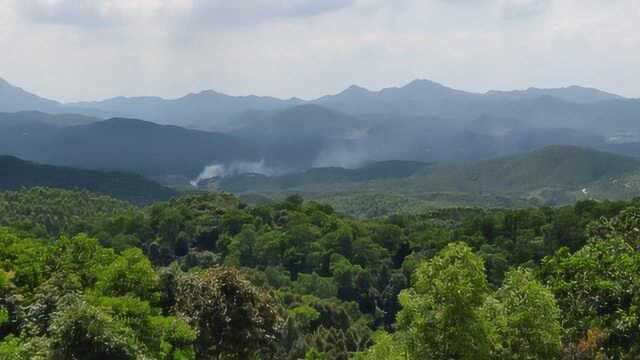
<point x="386" y="347"/>
<point x="130" y="274"/>
<point x="526" y="319"/>
<point x="598" y="290"/>
<point x="440" y="316"/>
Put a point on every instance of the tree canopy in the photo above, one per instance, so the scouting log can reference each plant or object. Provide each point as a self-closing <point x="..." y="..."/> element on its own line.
<point x="206" y="276"/>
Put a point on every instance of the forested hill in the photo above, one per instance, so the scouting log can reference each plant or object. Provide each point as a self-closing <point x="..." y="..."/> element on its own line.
<point x="557" y="167"/>
<point x="16" y="173"/>
<point x="326" y="176"/>
<point x="36" y="117"/>
<point x="552" y="176"/>
<point x="120" y="144"/>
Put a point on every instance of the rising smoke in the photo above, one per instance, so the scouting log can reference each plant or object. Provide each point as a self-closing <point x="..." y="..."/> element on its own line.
<point x="349" y="156"/>
<point x="235" y="168"/>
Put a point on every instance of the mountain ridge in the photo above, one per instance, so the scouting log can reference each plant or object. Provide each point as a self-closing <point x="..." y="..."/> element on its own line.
<point x="124" y="144"/>
<point x="573" y="93"/>
<point x="14" y="98"/>
<point x="418" y="83"/>
<point x="216" y="106"/>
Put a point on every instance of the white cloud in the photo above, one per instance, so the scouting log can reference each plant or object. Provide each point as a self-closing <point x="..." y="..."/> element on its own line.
<point x="513" y="9"/>
<point x="71" y="12"/>
<point x="216" y="13"/>
<point x="92" y="49"/>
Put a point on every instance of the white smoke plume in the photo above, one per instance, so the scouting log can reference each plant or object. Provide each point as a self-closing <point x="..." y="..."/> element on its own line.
<point x="349" y="156"/>
<point x="235" y="168"/>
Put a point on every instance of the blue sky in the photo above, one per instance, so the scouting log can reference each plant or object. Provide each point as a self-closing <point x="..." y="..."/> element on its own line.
<point x="85" y="49"/>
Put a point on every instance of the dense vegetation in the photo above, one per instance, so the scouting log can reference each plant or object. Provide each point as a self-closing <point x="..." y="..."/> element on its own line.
<point x="16" y="174"/>
<point x="208" y="277"/>
<point x="46" y="213"/>
<point x="327" y="177"/>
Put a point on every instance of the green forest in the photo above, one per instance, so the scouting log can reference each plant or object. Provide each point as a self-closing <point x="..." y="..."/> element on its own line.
<point x="206" y="276"/>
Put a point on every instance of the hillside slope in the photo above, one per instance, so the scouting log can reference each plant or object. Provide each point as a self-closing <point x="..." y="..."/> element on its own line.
<point x="320" y="177"/>
<point x="565" y="167"/>
<point x="13" y="98"/>
<point x="16" y="173"/>
<point x="144" y="147"/>
<point x="575" y="94"/>
<point x="552" y="176"/>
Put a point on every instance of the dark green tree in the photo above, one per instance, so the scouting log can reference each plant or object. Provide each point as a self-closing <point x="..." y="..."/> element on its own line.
<point x="233" y="319"/>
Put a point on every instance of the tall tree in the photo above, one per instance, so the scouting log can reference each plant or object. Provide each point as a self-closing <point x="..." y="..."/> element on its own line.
<point x="526" y="318"/>
<point x="233" y="319"/>
<point x="598" y="290"/>
<point x="440" y="318"/>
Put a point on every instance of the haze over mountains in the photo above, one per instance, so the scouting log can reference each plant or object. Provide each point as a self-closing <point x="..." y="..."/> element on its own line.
<point x="209" y="109"/>
<point x="118" y="144"/>
<point x="209" y="134"/>
<point x="554" y="175"/>
<point x="13" y="98"/>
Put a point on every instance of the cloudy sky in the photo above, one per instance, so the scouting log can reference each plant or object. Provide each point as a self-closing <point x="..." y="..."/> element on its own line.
<point x="90" y="49"/>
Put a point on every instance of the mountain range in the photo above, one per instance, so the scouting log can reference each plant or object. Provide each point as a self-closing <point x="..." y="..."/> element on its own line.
<point x="207" y="134"/>
<point x="574" y="106"/>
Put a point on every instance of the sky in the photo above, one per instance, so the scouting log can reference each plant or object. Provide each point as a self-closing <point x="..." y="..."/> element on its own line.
<point x="71" y="50"/>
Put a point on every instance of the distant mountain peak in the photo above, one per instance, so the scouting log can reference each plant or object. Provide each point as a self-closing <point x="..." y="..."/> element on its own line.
<point x="7" y="86"/>
<point x="422" y="83"/>
<point x="355" y="90"/>
<point x="426" y="88"/>
<point x="14" y="98"/>
<point x="208" y="92"/>
<point x="4" y="84"/>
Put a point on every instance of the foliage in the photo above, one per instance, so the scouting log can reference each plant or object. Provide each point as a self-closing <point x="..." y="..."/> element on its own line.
<point x="51" y="212"/>
<point x="386" y="346"/>
<point x="526" y="318"/>
<point x="4" y="316"/>
<point x="82" y="331"/>
<point x="440" y="316"/>
<point x="131" y="273"/>
<point x="598" y="290"/>
<point x="233" y="319"/>
<point x="204" y="274"/>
